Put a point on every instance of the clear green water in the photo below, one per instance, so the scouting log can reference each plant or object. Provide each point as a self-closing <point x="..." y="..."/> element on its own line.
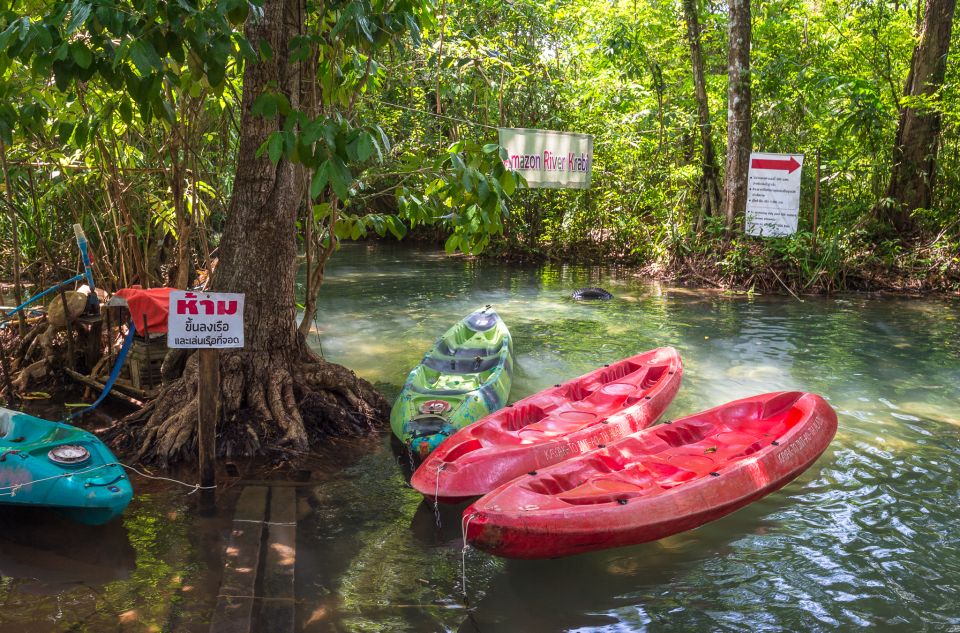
<point x="867" y="538"/>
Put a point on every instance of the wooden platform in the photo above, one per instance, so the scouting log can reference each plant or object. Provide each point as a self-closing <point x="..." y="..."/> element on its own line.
<point x="257" y="587"/>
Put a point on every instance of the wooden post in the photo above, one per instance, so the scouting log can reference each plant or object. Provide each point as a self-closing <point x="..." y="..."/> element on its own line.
<point x="209" y="415"/>
<point x="8" y="384"/>
<point x="816" y="202"/>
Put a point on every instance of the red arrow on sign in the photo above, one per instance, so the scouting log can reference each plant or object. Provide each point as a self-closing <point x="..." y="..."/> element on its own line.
<point x="788" y="166"/>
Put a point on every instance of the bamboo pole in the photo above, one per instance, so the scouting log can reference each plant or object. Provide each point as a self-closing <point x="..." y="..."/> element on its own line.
<point x="15" y="229"/>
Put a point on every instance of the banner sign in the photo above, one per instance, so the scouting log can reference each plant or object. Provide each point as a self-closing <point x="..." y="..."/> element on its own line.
<point x="205" y="320"/>
<point x="773" y="194"/>
<point x="547" y="159"/>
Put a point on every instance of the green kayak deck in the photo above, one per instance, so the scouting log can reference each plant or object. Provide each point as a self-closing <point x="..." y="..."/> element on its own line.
<point x="465" y="376"/>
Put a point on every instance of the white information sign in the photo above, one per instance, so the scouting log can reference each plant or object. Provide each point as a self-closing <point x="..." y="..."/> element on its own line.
<point x="547" y="159"/>
<point x="205" y="320"/>
<point x="773" y="194"/>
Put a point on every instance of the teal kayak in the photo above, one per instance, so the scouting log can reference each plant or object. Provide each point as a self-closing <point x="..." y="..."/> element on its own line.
<point x="55" y="465"/>
<point x="465" y="376"/>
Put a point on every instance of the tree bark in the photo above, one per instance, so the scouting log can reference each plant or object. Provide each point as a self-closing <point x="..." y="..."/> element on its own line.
<point x="739" y="140"/>
<point x="275" y="392"/>
<point x="709" y="184"/>
<point x="918" y="131"/>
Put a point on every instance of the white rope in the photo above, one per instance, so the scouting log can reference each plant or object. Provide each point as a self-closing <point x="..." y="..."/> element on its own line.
<point x="12" y="489"/>
<point x="195" y="487"/>
<point x="436" y="494"/>
<point x="465" y="524"/>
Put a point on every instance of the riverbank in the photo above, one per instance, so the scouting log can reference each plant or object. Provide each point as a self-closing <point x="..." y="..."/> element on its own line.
<point x="791" y="265"/>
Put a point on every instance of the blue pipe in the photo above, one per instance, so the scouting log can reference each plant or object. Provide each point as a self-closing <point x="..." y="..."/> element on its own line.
<point x="33" y="299"/>
<point x="114" y="373"/>
<point x="85" y="256"/>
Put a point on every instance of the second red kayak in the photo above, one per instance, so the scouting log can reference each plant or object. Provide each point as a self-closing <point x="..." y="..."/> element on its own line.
<point x="551" y="426"/>
<point x="657" y="482"/>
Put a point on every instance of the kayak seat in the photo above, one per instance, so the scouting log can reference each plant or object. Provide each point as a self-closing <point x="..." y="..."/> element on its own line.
<point x="683" y="433"/>
<point x="564" y="422"/>
<point x="461" y="365"/>
<point x="462" y="449"/>
<point x="653" y="376"/>
<point x="443" y="349"/>
<point x="604" y="490"/>
<point x="495" y="434"/>
<point x="516" y="418"/>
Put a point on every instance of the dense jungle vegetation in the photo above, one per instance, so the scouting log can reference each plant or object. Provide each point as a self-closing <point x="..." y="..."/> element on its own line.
<point x="113" y="118"/>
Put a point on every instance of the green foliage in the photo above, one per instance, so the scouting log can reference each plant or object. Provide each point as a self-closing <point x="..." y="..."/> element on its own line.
<point x="401" y="134"/>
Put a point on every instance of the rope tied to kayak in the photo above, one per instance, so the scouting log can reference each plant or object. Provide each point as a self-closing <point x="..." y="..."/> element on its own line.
<point x="465" y="525"/>
<point x="436" y="494"/>
<point x="12" y="489"/>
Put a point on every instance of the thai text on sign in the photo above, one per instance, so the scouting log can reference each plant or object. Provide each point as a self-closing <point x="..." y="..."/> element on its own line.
<point x="205" y="320"/>
<point x="548" y="159"/>
<point x="773" y="194"/>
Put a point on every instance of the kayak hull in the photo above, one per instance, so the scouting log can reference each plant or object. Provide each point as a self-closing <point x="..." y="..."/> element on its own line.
<point x="94" y="490"/>
<point x="551" y="426"/>
<point x="465" y="375"/>
<point x="657" y="482"/>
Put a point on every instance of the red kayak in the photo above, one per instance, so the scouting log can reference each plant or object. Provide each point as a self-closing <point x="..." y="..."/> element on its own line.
<point x="551" y="426"/>
<point x="656" y="482"/>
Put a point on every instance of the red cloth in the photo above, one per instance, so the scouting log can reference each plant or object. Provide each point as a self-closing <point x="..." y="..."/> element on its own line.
<point x="152" y="304"/>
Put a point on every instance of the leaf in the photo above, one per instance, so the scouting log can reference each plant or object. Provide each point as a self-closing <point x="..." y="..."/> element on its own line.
<point x="508" y="182"/>
<point x="360" y="148"/>
<point x="321" y="211"/>
<point x="275" y="147"/>
<point x="144" y="56"/>
<point x="396" y="227"/>
<point x="81" y="54"/>
<point x="63" y="74"/>
<point x="319" y="181"/>
<point x="238" y="14"/>
<point x="451" y="244"/>
<point x="35" y="395"/>
<point x="79" y="12"/>
<point x="340" y="179"/>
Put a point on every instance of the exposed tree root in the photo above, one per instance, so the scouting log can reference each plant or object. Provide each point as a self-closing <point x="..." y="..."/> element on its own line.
<point x="282" y="400"/>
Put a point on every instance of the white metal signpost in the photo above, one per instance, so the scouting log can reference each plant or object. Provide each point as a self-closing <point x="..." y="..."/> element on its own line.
<point x="208" y="322"/>
<point x="773" y="194"/>
<point x="548" y="159"/>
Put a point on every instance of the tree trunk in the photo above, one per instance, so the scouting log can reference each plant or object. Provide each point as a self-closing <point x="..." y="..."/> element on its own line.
<point x="709" y="187"/>
<point x="739" y="141"/>
<point x="918" y="132"/>
<point x="275" y="391"/>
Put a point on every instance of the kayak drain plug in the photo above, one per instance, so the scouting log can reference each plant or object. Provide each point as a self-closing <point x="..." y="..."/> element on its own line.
<point x="714" y="474"/>
<point x="775" y="443"/>
<point x="532" y="472"/>
<point x="622" y="502"/>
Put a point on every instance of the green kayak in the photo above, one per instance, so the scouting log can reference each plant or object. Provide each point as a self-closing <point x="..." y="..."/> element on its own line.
<point x="50" y="464"/>
<point x="465" y="376"/>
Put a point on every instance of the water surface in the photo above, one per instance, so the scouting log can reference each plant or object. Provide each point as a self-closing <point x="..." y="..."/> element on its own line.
<point x="866" y="538"/>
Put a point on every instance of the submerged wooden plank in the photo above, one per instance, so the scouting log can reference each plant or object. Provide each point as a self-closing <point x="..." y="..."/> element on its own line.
<point x="241" y="561"/>
<point x="277" y="610"/>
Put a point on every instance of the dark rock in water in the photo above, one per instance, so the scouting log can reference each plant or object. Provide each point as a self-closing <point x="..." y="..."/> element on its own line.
<point x="584" y="294"/>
